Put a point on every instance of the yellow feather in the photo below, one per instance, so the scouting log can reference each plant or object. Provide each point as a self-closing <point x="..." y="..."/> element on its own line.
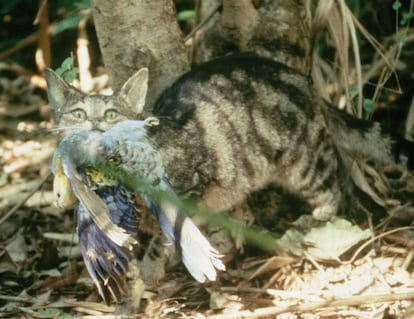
<point x="62" y="190"/>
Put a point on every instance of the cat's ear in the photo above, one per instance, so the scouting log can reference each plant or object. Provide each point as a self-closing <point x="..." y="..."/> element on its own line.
<point x="135" y="90"/>
<point x="57" y="89"/>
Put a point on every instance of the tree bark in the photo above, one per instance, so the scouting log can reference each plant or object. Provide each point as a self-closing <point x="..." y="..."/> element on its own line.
<point x="136" y="34"/>
<point x="278" y="29"/>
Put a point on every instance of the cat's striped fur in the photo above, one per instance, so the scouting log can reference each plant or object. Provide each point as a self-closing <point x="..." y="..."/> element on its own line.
<point x="234" y="125"/>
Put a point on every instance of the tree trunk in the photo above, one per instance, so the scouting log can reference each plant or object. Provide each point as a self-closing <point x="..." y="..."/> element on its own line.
<point x="136" y="34"/>
<point x="278" y="29"/>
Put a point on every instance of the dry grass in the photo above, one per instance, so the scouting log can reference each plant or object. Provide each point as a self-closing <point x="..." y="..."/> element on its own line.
<point x="335" y="19"/>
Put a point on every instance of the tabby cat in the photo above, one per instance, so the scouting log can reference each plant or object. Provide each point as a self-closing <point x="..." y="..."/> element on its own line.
<point x="234" y="125"/>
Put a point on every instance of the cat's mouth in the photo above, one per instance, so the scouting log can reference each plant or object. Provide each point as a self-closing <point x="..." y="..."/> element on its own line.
<point x="98" y="127"/>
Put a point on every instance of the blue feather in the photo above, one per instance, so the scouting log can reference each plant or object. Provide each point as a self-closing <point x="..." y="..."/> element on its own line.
<point x="107" y="262"/>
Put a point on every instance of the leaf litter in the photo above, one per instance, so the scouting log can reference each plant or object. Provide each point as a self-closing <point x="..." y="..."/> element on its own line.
<point x="339" y="269"/>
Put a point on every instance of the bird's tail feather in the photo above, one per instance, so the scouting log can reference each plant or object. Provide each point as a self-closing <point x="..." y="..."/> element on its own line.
<point x="199" y="257"/>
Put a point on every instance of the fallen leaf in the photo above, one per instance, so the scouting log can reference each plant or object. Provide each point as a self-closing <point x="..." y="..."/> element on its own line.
<point x="330" y="241"/>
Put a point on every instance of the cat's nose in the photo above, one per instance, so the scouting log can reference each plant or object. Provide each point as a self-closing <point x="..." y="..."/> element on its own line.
<point x="95" y="125"/>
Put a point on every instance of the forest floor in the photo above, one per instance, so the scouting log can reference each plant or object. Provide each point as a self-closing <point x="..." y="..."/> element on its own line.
<point x="42" y="274"/>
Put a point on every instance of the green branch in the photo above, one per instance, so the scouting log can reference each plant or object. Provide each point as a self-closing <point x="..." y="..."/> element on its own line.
<point x="252" y="234"/>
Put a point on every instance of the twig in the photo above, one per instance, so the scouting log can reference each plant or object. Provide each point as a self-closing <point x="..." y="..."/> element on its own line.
<point x="42" y="7"/>
<point x="408" y="260"/>
<point x="334" y="303"/>
<point x="363" y="246"/>
<point x="20" y="204"/>
<point x="274" y="293"/>
<point x="83" y="57"/>
<point x="42" y="56"/>
<point x="202" y="23"/>
<point x="17" y="298"/>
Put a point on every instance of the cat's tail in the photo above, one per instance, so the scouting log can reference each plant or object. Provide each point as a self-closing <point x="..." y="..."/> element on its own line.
<point x="359" y="138"/>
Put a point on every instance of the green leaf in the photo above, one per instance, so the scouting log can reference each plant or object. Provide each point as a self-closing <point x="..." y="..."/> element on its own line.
<point x="186" y="15"/>
<point x="369" y="106"/>
<point x="67" y="70"/>
<point x="396" y="5"/>
<point x="70" y="75"/>
<point x="52" y="313"/>
<point x="353" y="90"/>
<point x="60" y="71"/>
<point x="406" y="18"/>
<point x="333" y="239"/>
<point x="291" y="242"/>
<point x="68" y="23"/>
<point x="68" y="63"/>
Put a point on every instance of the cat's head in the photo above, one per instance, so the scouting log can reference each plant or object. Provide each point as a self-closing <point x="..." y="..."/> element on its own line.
<point x="74" y="110"/>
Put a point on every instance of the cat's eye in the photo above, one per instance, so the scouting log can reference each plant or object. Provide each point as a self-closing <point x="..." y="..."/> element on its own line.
<point x="111" y="115"/>
<point x="79" y="114"/>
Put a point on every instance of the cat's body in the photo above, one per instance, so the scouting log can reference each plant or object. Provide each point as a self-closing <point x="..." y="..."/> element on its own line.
<point x="234" y="125"/>
<point x="230" y="128"/>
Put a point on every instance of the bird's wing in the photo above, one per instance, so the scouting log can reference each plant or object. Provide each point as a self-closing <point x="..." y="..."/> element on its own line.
<point x="97" y="208"/>
<point x="105" y="260"/>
